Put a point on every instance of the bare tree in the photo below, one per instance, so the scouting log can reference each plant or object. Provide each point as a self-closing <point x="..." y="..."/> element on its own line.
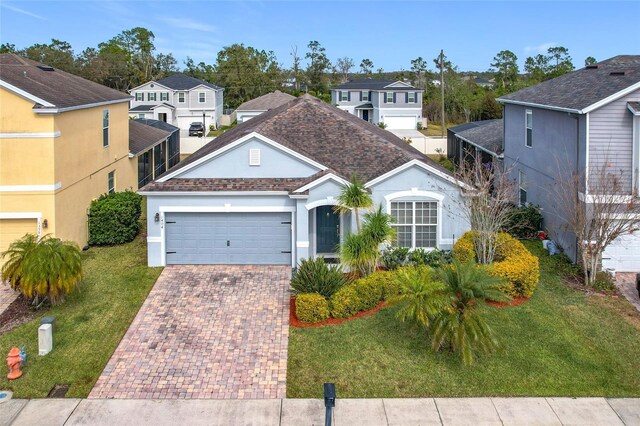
<point x="488" y="197"/>
<point x="343" y="66"/>
<point x="609" y="210"/>
<point x="295" y="69"/>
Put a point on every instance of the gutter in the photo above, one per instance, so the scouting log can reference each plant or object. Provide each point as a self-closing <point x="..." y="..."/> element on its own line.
<point x="534" y="105"/>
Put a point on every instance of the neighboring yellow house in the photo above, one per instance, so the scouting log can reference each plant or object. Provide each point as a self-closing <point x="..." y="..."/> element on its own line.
<point x="64" y="141"/>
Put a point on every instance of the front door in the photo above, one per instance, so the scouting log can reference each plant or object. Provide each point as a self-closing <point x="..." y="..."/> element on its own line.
<point x="162" y="116"/>
<point x="365" y="114"/>
<point x="327" y="230"/>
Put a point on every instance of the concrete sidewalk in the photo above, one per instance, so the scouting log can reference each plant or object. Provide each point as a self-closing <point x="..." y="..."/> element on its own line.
<point x="300" y="412"/>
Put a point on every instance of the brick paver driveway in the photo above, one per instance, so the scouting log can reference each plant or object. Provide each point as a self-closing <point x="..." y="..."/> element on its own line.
<point x="205" y="332"/>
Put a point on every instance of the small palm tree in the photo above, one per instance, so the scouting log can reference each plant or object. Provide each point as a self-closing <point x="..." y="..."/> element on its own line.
<point x="46" y="268"/>
<point x="377" y="225"/>
<point x="354" y="196"/>
<point x="359" y="253"/>
<point x="462" y="327"/>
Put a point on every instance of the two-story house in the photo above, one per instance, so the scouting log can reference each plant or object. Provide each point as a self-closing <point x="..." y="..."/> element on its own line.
<point x="395" y="103"/>
<point x="64" y="141"/>
<point x="573" y="125"/>
<point x="178" y="100"/>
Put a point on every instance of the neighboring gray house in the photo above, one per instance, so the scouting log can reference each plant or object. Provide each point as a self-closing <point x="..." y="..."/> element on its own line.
<point x="257" y="106"/>
<point x="178" y="100"/>
<point x="264" y="192"/>
<point x="572" y="124"/>
<point x="394" y="103"/>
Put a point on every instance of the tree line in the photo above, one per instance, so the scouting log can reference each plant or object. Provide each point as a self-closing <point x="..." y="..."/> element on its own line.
<point x="130" y="59"/>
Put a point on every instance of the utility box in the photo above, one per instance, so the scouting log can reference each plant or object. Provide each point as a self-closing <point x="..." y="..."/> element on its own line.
<point x="49" y="320"/>
<point x="45" y="339"/>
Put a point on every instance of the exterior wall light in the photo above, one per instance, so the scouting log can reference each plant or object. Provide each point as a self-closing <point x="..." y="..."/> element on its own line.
<point x="45" y="223"/>
<point x="156" y="218"/>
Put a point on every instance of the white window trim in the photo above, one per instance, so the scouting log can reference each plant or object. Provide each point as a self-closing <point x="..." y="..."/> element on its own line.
<point x="419" y="195"/>
<point x="141" y="96"/>
<point x="522" y="188"/>
<point x="184" y="97"/>
<point x="155" y="97"/>
<point x="205" y="97"/>
<point x="409" y="97"/>
<point x="107" y="128"/>
<point x="365" y="96"/>
<point x="109" y="191"/>
<point x="164" y="93"/>
<point x="527" y="113"/>
<point x="386" y="97"/>
<point x="344" y="96"/>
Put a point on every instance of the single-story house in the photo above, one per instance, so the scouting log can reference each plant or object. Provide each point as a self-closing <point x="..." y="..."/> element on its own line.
<point x="264" y="192"/>
<point x="261" y="104"/>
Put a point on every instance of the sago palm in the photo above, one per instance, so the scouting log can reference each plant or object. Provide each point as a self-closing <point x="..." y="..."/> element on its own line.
<point x="422" y="298"/>
<point x="47" y="268"/>
<point x="354" y="196"/>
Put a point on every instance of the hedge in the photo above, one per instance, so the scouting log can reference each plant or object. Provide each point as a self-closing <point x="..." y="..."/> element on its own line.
<point x="311" y="308"/>
<point x="114" y="218"/>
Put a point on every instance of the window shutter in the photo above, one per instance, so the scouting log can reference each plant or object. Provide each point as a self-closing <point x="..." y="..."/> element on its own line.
<point x="369" y="92"/>
<point x="406" y="97"/>
<point x="394" y="97"/>
<point x="349" y="96"/>
<point x="361" y="96"/>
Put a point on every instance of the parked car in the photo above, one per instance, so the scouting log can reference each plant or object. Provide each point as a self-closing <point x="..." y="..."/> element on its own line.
<point x="196" y="129"/>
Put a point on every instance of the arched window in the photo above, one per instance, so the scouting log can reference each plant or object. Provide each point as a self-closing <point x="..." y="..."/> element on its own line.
<point x="416" y="217"/>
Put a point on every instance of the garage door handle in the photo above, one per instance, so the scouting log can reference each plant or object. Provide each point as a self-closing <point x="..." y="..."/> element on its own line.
<point x="228" y="243"/>
<point x="171" y="252"/>
<point x="283" y="251"/>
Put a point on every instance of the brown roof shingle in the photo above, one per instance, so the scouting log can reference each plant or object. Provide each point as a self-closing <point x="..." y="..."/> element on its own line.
<point x="142" y="136"/>
<point x="266" y="102"/>
<point x="56" y="87"/>
<point x="225" y="184"/>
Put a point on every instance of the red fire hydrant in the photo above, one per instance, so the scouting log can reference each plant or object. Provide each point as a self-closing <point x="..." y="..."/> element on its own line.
<point x="14" y="359"/>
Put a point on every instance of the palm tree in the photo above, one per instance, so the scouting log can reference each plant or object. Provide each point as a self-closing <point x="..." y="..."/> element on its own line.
<point x="421" y="297"/>
<point x="377" y="225"/>
<point x="462" y="327"/>
<point x="359" y="253"/>
<point x="46" y="268"/>
<point x="354" y="196"/>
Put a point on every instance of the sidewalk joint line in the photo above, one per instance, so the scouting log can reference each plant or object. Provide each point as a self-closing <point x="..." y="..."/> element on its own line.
<point x="438" y="410"/>
<point x="554" y="411"/>
<point x="497" y="412"/>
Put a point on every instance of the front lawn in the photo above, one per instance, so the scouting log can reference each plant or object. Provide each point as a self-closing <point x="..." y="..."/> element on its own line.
<point x="221" y="129"/>
<point x="89" y="324"/>
<point x="562" y="342"/>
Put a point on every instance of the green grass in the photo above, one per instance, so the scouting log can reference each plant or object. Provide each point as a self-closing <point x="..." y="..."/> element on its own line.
<point x="220" y="130"/>
<point x="89" y="324"/>
<point x="435" y="129"/>
<point x="561" y="342"/>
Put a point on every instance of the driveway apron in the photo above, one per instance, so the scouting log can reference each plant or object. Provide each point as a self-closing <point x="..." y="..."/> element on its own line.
<point x="205" y="332"/>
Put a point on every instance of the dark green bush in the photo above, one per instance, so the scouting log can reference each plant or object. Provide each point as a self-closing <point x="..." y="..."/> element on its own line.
<point x="394" y="257"/>
<point x="524" y="222"/>
<point x="316" y="276"/>
<point x="311" y="308"/>
<point x="604" y="282"/>
<point x="114" y="218"/>
<point x="433" y="258"/>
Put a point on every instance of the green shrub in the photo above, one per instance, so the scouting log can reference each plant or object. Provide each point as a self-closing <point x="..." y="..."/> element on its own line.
<point x="395" y="257"/>
<point x="433" y="258"/>
<point x="524" y="222"/>
<point x="114" y="218"/>
<point x="604" y="282"/>
<point x="369" y="292"/>
<point x="316" y="276"/>
<point x="345" y="302"/>
<point x="311" y="308"/>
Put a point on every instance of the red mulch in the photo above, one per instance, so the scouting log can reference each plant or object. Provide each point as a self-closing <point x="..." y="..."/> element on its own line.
<point x="516" y="301"/>
<point x="295" y="322"/>
<point x="18" y="312"/>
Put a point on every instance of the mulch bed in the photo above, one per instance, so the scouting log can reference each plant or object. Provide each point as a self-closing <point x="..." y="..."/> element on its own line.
<point x="18" y="312"/>
<point x="295" y="322"/>
<point x="516" y="301"/>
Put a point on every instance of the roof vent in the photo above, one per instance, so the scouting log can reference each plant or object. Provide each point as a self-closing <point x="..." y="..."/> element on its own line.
<point x="45" y="68"/>
<point x="592" y="67"/>
<point x="618" y="73"/>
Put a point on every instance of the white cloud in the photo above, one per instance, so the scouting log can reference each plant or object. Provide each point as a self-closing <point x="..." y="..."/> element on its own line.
<point x="22" y="11"/>
<point x="189" y="24"/>
<point x="542" y="48"/>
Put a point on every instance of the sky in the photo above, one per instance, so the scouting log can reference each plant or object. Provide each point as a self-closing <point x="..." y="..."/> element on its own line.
<point x="391" y="34"/>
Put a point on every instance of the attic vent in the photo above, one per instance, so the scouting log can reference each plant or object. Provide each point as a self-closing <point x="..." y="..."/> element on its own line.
<point x="618" y="73"/>
<point x="254" y="157"/>
<point x="45" y="68"/>
<point x="592" y="66"/>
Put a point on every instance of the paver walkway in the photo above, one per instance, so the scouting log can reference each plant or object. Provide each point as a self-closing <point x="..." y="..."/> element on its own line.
<point x="216" y="332"/>
<point x="7" y="296"/>
<point x="626" y="283"/>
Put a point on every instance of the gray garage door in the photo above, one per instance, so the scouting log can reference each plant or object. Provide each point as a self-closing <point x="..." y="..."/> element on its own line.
<point x="228" y="238"/>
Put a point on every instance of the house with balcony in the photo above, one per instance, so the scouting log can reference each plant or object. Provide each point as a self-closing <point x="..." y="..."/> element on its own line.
<point x="178" y="100"/>
<point x="397" y="104"/>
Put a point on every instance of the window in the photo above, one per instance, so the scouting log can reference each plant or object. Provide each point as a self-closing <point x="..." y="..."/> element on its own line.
<point x="159" y="158"/>
<point x="522" y="186"/>
<point x="105" y="128"/>
<point x="411" y="97"/>
<point x="139" y="96"/>
<point x="142" y="115"/>
<point x="416" y="223"/>
<point x="365" y="95"/>
<point x="164" y="96"/>
<point x="389" y="97"/>
<point x="111" y="182"/>
<point x="529" y="125"/>
<point x="181" y="97"/>
<point x="145" y="174"/>
<point x="202" y="97"/>
<point x="151" y="96"/>
<point x="344" y="96"/>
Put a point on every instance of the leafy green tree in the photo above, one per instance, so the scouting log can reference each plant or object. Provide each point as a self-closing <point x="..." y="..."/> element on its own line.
<point x="560" y="62"/>
<point x="201" y="71"/>
<point x="419" y="68"/>
<point x="7" y="48"/>
<point x="42" y="270"/>
<point x="366" y="67"/>
<point x="537" y="68"/>
<point x="353" y="196"/>
<point x="319" y="64"/>
<point x="57" y="54"/>
<point x="164" y="65"/>
<point x="590" y="60"/>
<point x="506" y="70"/>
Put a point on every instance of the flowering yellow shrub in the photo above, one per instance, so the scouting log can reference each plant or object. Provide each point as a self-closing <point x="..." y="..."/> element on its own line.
<point x="311" y="308"/>
<point x="463" y="249"/>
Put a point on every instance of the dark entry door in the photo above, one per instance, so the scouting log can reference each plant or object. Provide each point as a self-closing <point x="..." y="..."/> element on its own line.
<point x="365" y="114"/>
<point x="327" y="229"/>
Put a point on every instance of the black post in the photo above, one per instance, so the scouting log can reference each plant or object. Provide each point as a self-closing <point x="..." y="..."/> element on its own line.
<point x="329" y="401"/>
<point x="204" y="125"/>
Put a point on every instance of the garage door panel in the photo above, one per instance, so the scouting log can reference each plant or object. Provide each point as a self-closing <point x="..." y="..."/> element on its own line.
<point x="228" y="238"/>
<point x="623" y="254"/>
<point x="400" y="122"/>
<point x="14" y="229"/>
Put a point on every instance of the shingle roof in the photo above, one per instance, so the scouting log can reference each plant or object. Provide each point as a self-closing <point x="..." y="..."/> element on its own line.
<point x="332" y="137"/>
<point x="487" y="134"/>
<point x="56" y="87"/>
<point x="184" y="82"/>
<point x="582" y="88"/>
<point x="365" y="106"/>
<point x="159" y="124"/>
<point x="226" y="184"/>
<point x="634" y="106"/>
<point x="371" y="84"/>
<point x="143" y="136"/>
<point x="141" y="108"/>
<point x="266" y="102"/>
